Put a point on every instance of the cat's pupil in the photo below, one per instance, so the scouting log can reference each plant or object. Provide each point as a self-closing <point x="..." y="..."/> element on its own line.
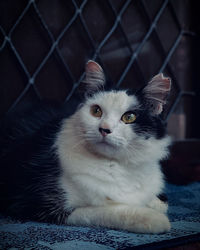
<point x="97" y="110"/>
<point x="130" y="117"/>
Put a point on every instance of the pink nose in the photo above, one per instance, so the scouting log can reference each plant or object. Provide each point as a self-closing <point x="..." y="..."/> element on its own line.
<point x="104" y="131"/>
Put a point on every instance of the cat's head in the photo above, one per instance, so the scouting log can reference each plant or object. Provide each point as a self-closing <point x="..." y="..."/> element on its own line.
<point x="114" y="122"/>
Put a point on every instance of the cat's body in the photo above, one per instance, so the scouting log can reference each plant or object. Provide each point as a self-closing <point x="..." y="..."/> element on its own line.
<point x="96" y="167"/>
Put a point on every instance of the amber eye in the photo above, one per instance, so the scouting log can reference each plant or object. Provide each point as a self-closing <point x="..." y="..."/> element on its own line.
<point x="128" y="117"/>
<point x="96" y="111"/>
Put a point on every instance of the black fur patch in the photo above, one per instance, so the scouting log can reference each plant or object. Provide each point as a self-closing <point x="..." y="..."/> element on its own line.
<point x="147" y="124"/>
<point x="29" y="169"/>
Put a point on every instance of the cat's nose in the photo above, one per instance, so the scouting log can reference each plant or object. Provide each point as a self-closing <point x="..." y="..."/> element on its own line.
<point x="104" y="131"/>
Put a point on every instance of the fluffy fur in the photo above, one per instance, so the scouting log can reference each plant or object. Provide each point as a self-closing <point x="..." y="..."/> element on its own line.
<point x="61" y="169"/>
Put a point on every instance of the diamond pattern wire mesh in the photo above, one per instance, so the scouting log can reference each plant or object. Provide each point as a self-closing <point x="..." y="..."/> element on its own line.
<point x="44" y="48"/>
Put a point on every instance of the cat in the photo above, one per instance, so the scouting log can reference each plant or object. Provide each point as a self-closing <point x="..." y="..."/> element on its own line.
<point x="97" y="165"/>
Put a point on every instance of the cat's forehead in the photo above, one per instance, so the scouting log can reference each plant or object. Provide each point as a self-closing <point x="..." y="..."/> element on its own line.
<point x="118" y="100"/>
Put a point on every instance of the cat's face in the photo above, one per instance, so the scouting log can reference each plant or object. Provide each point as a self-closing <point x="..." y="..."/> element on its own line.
<point x="114" y="122"/>
<point x="107" y="120"/>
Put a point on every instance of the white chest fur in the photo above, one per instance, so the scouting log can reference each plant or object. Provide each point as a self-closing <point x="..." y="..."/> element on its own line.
<point x="100" y="182"/>
<point x="93" y="180"/>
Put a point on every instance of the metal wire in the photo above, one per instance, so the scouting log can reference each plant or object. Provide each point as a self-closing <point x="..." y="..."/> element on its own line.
<point x="54" y="45"/>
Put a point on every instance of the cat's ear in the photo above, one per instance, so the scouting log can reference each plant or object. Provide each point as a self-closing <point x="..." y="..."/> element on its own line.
<point x="156" y="93"/>
<point x="94" y="77"/>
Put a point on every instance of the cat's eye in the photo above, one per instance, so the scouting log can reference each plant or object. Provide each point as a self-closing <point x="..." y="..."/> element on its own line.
<point x="96" y="111"/>
<point x="128" y="117"/>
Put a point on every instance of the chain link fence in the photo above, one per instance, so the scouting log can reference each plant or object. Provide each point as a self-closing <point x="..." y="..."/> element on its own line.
<point x="44" y="46"/>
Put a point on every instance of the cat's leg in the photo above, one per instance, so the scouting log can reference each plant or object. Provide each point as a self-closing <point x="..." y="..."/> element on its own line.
<point x="158" y="205"/>
<point x="139" y="220"/>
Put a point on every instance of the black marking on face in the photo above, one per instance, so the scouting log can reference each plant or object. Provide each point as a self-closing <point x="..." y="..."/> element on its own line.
<point x="146" y="124"/>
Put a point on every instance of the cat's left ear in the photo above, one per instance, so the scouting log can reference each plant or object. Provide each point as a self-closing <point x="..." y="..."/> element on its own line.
<point x="94" y="77"/>
<point x="156" y="93"/>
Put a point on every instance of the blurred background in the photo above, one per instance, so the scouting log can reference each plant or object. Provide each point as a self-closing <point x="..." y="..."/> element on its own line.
<point x="44" y="46"/>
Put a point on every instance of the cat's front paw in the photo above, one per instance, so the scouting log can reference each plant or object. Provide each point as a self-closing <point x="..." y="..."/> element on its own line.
<point x="150" y="222"/>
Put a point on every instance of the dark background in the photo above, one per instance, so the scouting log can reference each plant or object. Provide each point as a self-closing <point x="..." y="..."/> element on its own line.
<point x="45" y="44"/>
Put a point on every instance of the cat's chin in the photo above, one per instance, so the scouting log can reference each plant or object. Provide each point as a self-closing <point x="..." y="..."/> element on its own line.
<point x="106" y="143"/>
<point x="105" y="148"/>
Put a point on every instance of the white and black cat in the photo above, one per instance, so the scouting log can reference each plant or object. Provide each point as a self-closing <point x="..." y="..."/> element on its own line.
<point x="96" y="167"/>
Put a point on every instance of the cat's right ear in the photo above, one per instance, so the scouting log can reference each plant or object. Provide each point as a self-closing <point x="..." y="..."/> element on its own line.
<point x="94" y="77"/>
<point x="156" y="93"/>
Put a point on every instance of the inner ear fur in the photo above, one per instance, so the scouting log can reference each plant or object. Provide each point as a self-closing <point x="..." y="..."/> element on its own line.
<point x="156" y="93"/>
<point x="94" y="77"/>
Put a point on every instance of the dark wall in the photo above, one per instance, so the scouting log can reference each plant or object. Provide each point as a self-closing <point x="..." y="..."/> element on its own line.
<point x="195" y="24"/>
